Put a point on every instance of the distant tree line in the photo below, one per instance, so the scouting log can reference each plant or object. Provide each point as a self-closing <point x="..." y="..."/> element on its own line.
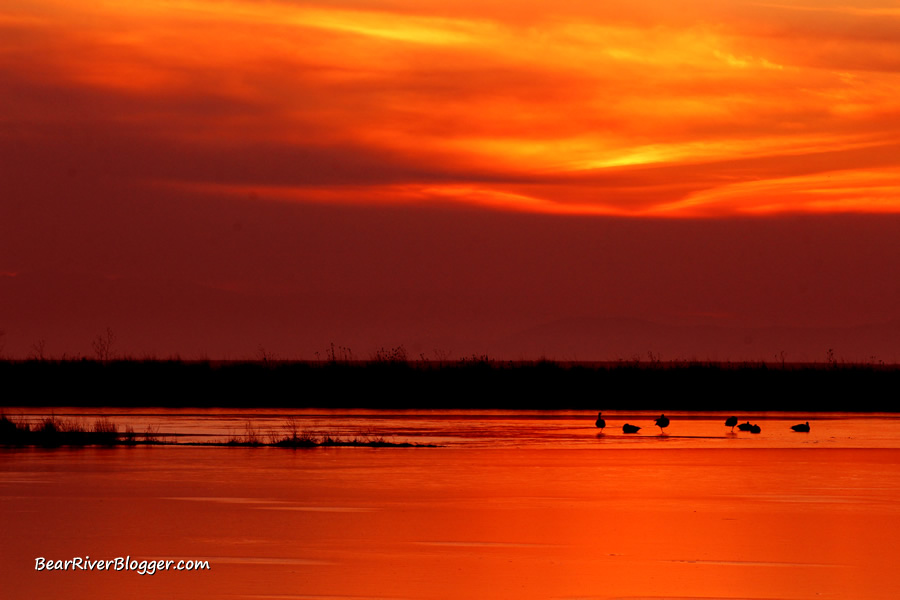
<point x="478" y="383"/>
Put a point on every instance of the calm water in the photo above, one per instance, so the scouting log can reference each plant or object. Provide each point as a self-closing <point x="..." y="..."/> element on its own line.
<point x="502" y="429"/>
<point x="513" y="505"/>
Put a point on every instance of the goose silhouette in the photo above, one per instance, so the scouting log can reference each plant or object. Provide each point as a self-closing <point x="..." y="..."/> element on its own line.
<point x="601" y="422"/>
<point x="755" y="429"/>
<point x="662" y="422"/>
<point x="745" y="426"/>
<point x="801" y="427"/>
<point x="628" y="428"/>
<point x="731" y="422"/>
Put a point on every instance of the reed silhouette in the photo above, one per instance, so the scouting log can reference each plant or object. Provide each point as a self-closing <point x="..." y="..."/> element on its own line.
<point x="53" y="432"/>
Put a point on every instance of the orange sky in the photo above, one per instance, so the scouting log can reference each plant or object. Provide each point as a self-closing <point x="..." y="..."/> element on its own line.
<point x="573" y="109"/>
<point x="632" y="108"/>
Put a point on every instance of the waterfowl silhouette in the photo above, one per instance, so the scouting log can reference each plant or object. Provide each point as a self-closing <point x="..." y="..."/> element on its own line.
<point x="662" y="422"/>
<point x="745" y="426"/>
<point x="801" y="427"/>
<point x="755" y="429"/>
<point x="601" y="422"/>
<point x="731" y="422"/>
<point x="627" y="428"/>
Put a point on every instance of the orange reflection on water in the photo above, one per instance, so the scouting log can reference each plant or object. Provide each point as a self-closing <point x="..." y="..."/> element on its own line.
<point x="459" y="523"/>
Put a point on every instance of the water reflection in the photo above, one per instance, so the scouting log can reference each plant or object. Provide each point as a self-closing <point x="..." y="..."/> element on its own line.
<point x="458" y="522"/>
<point x="515" y="505"/>
<point x="517" y="429"/>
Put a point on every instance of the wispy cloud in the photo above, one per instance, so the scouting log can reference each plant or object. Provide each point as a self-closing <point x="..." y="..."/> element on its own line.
<point x="632" y="109"/>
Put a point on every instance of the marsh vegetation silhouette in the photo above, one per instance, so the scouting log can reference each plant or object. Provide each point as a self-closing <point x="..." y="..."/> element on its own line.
<point x="54" y="432"/>
<point x="110" y="378"/>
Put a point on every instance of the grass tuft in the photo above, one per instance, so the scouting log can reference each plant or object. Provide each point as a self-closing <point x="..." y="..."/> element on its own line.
<point x="105" y="432"/>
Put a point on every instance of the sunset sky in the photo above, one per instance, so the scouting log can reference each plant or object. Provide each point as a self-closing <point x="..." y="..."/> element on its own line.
<point x="571" y="179"/>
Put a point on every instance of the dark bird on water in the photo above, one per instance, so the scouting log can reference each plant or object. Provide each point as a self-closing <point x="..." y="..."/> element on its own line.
<point x="601" y="422"/>
<point x="745" y="426"/>
<point x="662" y="422"/>
<point x="755" y="429"/>
<point x="801" y="427"/>
<point x="731" y="422"/>
<point x="627" y="428"/>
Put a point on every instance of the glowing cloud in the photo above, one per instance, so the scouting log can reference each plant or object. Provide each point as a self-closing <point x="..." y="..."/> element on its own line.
<point x="570" y="109"/>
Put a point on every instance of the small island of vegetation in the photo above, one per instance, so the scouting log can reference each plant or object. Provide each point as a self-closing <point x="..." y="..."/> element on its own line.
<point x="54" y="432"/>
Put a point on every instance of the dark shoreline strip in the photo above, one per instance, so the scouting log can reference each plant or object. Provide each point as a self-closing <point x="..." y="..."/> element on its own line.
<point x="468" y="383"/>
